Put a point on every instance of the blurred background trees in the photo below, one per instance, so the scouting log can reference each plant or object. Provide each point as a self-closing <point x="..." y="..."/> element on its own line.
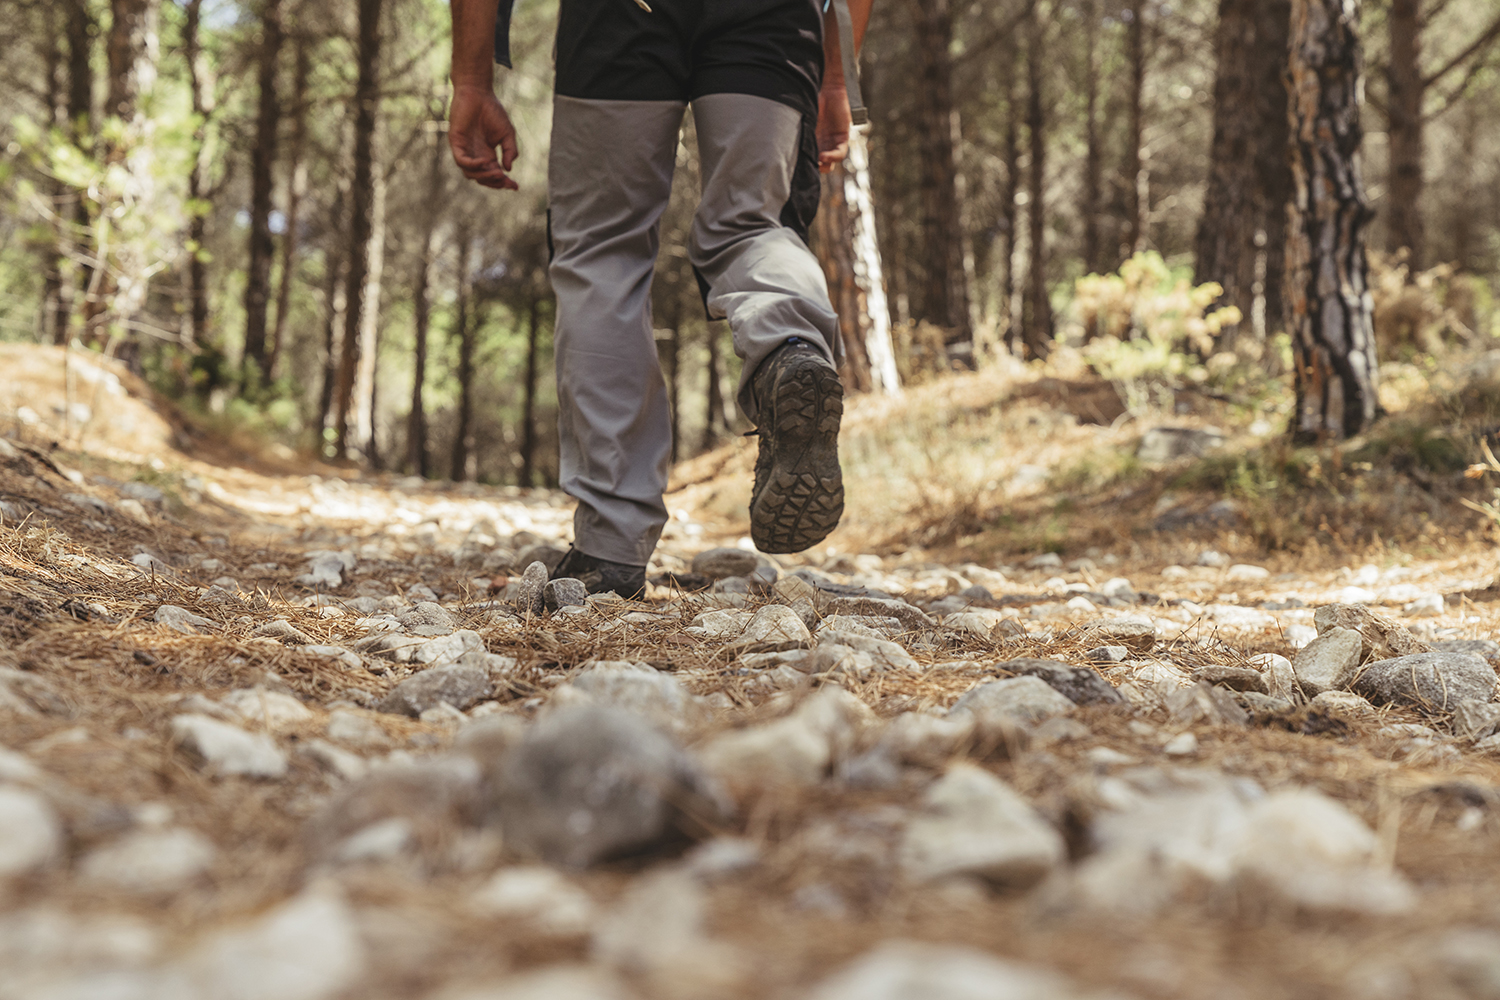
<point x="251" y="202"/>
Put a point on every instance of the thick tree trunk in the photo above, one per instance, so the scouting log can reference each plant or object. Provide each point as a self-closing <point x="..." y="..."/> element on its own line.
<point x="834" y="244"/>
<point x="296" y="189"/>
<point x="462" y="457"/>
<point x="262" y="182"/>
<point x="1329" y="303"/>
<point x="132" y="52"/>
<point x="1137" y="182"/>
<point x="528" y="407"/>
<point x="1241" y="235"/>
<point x="200" y="83"/>
<point x="1405" y="89"/>
<point x="361" y="221"/>
<point x="1037" y="322"/>
<point x="1093" y="160"/>
<point x="945" y="293"/>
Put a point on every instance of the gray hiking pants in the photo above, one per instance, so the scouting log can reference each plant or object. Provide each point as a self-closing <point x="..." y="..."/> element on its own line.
<point x="610" y="176"/>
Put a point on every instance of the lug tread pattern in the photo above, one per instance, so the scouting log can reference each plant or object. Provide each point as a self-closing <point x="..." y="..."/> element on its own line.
<point x="798" y="496"/>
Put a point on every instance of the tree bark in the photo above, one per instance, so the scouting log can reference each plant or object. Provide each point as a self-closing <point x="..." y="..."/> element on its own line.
<point x="417" y="455"/>
<point x="1405" y="129"/>
<point x="1009" y="215"/>
<point x="132" y="52"/>
<point x="1037" y="324"/>
<point x="200" y="83"/>
<point x="361" y="212"/>
<point x="945" y="293"/>
<point x="1093" y="160"/>
<point x="365" y="387"/>
<point x="52" y="324"/>
<point x="714" y="407"/>
<point x="463" y="435"/>
<point x="262" y="182"/>
<point x="528" y="407"/>
<point x="1137" y="188"/>
<point x="79" y="30"/>
<point x="1327" y="288"/>
<point x="1242" y="232"/>
<point x="296" y="189"/>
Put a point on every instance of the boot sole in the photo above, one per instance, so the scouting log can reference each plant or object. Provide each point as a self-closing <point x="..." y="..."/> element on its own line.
<point x="803" y="496"/>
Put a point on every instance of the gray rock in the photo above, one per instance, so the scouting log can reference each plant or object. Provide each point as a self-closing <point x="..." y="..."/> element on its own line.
<point x="456" y="685"/>
<point x="1139" y="634"/>
<point x="1108" y="654"/>
<point x="435" y="795"/>
<point x="449" y="649"/>
<point x="1328" y="662"/>
<point x="327" y="569"/>
<point x="794" y="751"/>
<point x="972" y="823"/>
<point x="31" y="835"/>
<point x="731" y="585"/>
<point x="1429" y="682"/>
<point x="428" y="614"/>
<point x="181" y="620"/>
<point x="228" y="750"/>
<point x="356" y="729"/>
<point x="529" y="599"/>
<point x="886" y="655"/>
<point x="150" y="862"/>
<point x="777" y="625"/>
<point x="142" y="492"/>
<point x="1345" y="703"/>
<point x="283" y="632"/>
<point x="1280" y="677"/>
<point x="975" y="593"/>
<point x="1047" y="560"/>
<point x="719" y="563"/>
<point x="588" y="783"/>
<point x="1164" y="444"/>
<point x="564" y="592"/>
<point x="1020" y="699"/>
<point x="911" y="616"/>
<point x="1486" y="649"/>
<point x="1382" y="638"/>
<point x="271" y="709"/>
<point x="1233" y="678"/>
<point x="911" y="970"/>
<point x="1204" y="704"/>
<point x="1080" y="685"/>
<point x="1474" y="720"/>
<point x="1263" y="704"/>
<point x="639" y="689"/>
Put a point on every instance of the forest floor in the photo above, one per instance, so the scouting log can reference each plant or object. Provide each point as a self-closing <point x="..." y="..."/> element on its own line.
<point x="1045" y="719"/>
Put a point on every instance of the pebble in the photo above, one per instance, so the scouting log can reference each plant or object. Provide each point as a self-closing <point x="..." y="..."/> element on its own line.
<point x="1181" y="745"/>
<point x="1139" y="634"/>
<point x="1080" y="685"/>
<point x="775" y="624"/>
<point x="227" y="750"/>
<point x="1426" y="606"/>
<point x="1345" y="703"/>
<point x="910" y="616"/>
<point x="448" y="649"/>
<point x="273" y="710"/>
<point x="1279" y="675"/>
<point x="1382" y="638"/>
<point x="528" y="598"/>
<point x="795" y="751"/>
<point x="566" y="982"/>
<point x="1475" y="720"/>
<point x="307" y="948"/>
<point x="977" y="623"/>
<point x="283" y="632"/>
<point x="912" y="970"/>
<point x="589" y="783"/>
<point x="1204" y="704"/>
<point x="724" y="562"/>
<point x="1020" y="699"/>
<point x="544" y="898"/>
<point x="326" y="570"/>
<point x="430" y="614"/>
<point x="1434" y="683"/>
<point x="31" y="835"/>
<point x="335" y="760"/>
<point x="150" y="862"/>
<point x="972" y="823"/>
<point x="1047" y="560"/>
<point x="1108" y="654"/>
<point x="1298" y="636"/>
<point x="1329" y="662"/>
<point x="1233" y="678"/>
<point x="1246" y="573"/>
<point x="884" y="654"/>
<point x="356" y="729"/>
<point x="182" y="620"/>
<point x="639" y="689"/>
<point x="564" y="592"/>
<point x="457" y="685"/>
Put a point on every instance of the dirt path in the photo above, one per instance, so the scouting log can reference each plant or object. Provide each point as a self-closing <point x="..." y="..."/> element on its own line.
<point x="277" y="736"/>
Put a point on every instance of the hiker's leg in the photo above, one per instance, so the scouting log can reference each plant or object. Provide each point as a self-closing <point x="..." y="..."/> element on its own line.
<point x="755" y="90"/>
<point x="609" y="178"/>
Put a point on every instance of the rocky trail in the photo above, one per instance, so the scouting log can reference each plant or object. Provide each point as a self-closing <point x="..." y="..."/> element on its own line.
<point x="293" y="739"/>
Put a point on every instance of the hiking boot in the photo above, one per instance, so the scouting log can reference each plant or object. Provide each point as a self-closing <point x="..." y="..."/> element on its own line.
<point x="600" y="576"/>
<point x="799" y="488"/>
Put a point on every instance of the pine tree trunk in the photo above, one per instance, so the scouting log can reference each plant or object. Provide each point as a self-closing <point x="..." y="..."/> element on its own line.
<point x="417" y="456"/>
<point x="1010" y="219"/>
<point x="1037" y="324"/>
<point x="528" y="408"/>
<point x="1136" y="183"/>
<point x="296" y="189"/>
<point x="200" y="83"/>
<point x="463" y="435"/>
<point x="361" y="221"/>
<point x="1249" y="181"/>
<point x="1405" y="90"/>
<point x="262" y="182"/>
<point x="945" y="295"/>
<point x="1329" y="301"/>
<point x="365" y="388"/>
<point x="1093" y="161"/>
<point x="833" y="231"/>
<point x="52" y="319"/>
<point x="79" y="29"/>
<point x="132" y="52"/>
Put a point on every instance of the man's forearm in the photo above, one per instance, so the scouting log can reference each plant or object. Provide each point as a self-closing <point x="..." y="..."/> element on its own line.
<point x="474" y="41"/>
<point x="833" y="62"/>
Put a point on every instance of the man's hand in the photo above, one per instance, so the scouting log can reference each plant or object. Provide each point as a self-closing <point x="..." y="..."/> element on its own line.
<point x="477" y="124"/>
<point x="833" y="125"/>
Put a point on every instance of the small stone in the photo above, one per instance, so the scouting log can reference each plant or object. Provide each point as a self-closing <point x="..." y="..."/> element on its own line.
<point x="1382" y="638"/>
<point x="566" y="982"/>
<point x="529" y="599"/>
<point x="972" y="823"/>
<point x="307" y="948"/>
<point x="1430" y="682"/>
<point x="914" y="618"/>
<point x="1426" y="606"/>
<point x="723" y="623"/>
<point x="1081" y="603"/>
<point x="1139" y="634"/>
<point x="1329" y="662"/>
<point x="886" y="655"/>
<point x="1020" y="699"/>
<point x="356" y="729"/>
<point x="283" y="632"/>
<point x="1212" y="559"/>
<point x="31" y="835"/>
<point x="722" y="562"/>
<point x="1264" y="704"/>
<point x="1343" y="703"/>
<point x="1204" y="704"/>
<point x="640" y="689"/>
<point x="776" y="624"/>
<point x="271" y="709"/>
<point x="1280" y="677"/>
<point x="1080" y="685"/>
<point x="456" y="685"/>
<point x="336" y="761"/>
<point x="1474" y="720"/>
<point x="911" y="970"/>
<point x="1108" y="654"/>
<point x="975" y="593"/>
<point x="228" y="750"/>
<point x="978" y="624"/>
<point x="1233" y="678"/>
<point x="182" y="620"/>
<point x="150" y="862"/>
<point x="327" y="570"/>
<point x="590" y="783"/>
<point x="1119" y="589"/>
<point x="1299" y="636"/>
<point x="1165" y="444"/>
<point x="545" y="899"/>
<point x="794" y="751"/>
<point x="448" y="649"/>
<point x="1181" y="745"/>
<point x="1246" y="573"/>
<point x="428" y="614"/>
<point x="564" y="592"/>
<point x="1486" y="649"/>
<point x="1047" y="560"/>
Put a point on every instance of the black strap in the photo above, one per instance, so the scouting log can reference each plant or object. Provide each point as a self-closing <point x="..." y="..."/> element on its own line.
<point x="502" y="32"/>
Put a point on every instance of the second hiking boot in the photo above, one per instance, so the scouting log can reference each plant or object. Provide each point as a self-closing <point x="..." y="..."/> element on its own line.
<point x="798" y="495"/>
<point x="600" y="575"/>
